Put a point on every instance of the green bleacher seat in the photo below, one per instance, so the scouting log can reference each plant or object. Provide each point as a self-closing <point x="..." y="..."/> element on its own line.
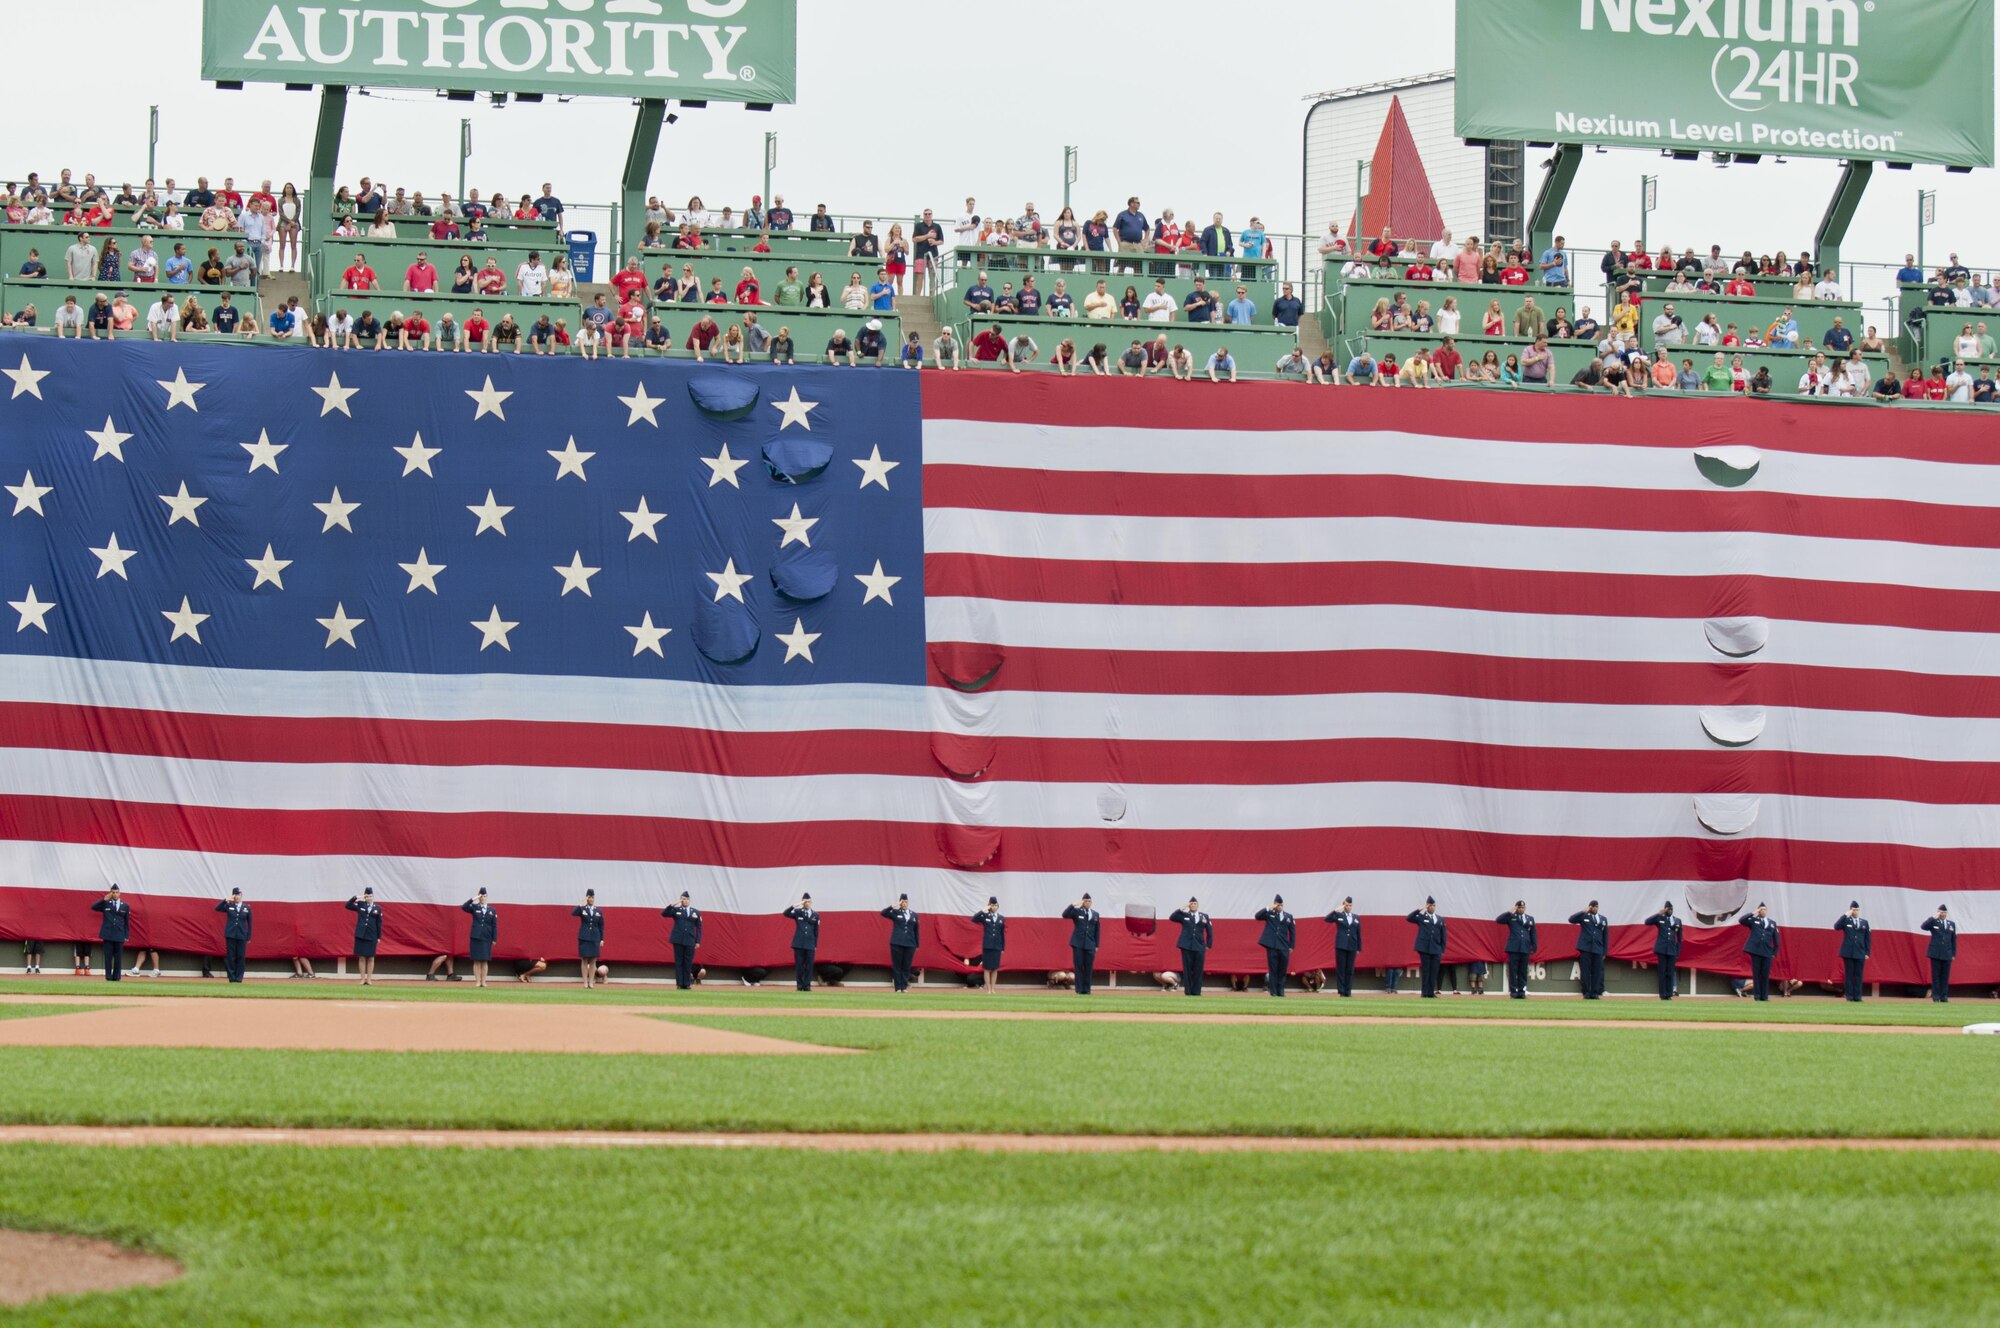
<point x="46" y="295"/>
<point x="391" y="259"/>
<point x="434" y="305"/>
<point x="1256" y="348"/>
<point x="1347" y="311"/>
<point x="1005" y="262"/>
<point x="16" y="241"/>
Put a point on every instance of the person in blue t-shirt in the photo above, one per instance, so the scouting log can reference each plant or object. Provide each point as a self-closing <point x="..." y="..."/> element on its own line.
<point x="980" y="298"/>
<point x="1200" y="304"/>
<point x="548" y="206"/>
<point x="1909" y="274"/>
<point x="883" y="292"/>
<point x="1555" y="264"/>
<point x="1361" y="369"/>
<point x="1288" y="308"/>
<point x="1242" y="312"/>
<point x="282" y="321"/>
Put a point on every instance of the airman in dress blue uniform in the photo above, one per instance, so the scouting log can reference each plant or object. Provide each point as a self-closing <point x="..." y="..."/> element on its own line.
<point x="1279" y="938"/>
<point x="902" y="941"/>
<point x="1084" y="931"/>
<point x="113" y="929"/>
<point x="367" y="932"/>
<point x="805" y="940"/>
<point x="235" y="933"/>
<point x="686" y="937"/>
<point x="589" y="936"/>
<point x="1197" y="935"/>
<point x="1666" y="947"/>
<point x="1346" y="944"/>
<point x="1762" y="947"/>
<point x="1593" y="942"/>
<point x="1430" y="942"/>
<point x="485" y="931"/>
<point x="1520" y="948"/>
<point x="1942" y="950"/>
<point x="992" y="941"/>
<point x="1855" y="945"/>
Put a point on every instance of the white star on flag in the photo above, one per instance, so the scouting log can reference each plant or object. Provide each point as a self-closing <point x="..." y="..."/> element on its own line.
<point x="417" y="457"/>
<point x="569" y="461"/>
<point x="337" y="512"/>
<point x="722" y="469"/>
<point x="878" y="585"/>
<point x="643" y="522"/>
<point x="183" y="507"/>
<point x="34" y="612"/>
<point x="110" y="442"/>
<point x="487" y="400"/>
<point x="334" y="397"/>
<point x="270" y="569"/>
<point x="492" y="515"/>
<point x="576" y="576"/>
<point x="494" y="631"/>
<point x="340" y="627"/>
<point x="647" y="637"/>
<point x="180" y="392"/>
<point x="27" y="379"/>
<point x="796" y="527"/>
<point x="423" y="572"/>
<point x="28" y="495"/>
<point x="264" y="452"/>
<point x="875" y="470"/>
<point x="798" y="642"/>
<point x="729" y="582"/>
<point x="186" y="622"/>
<point x="112" y="559"/>
<point x="642" y="406"/>
<point x="795" y="411"/>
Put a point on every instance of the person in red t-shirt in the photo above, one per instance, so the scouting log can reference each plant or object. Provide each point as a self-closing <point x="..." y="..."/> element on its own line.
<point x="702" y="335"/>
<point x="630" y="282"/>
<point x="1445" y="361"/>
<point x="990" y="345"/>
<point x="359" y="276"/>
<point x="1383" y="247"/>
<point x="747" y="290"/>
<point x="421" y="277"/>
<point x="1514" y="274"/>
<point x="1738" y="286"/>
<point x="1934" y="386"/>
<point x="617" y="337"/>
<point x="1914" y="387"/>
<point x="633" y="315"/>
<point x="445" y="227"/>
<point x="492" y="281"/>
<point x="416" y="333"/>
<point x="475" y="329"/>
<point x="1419" y="271"/>
<point x="1640" y="261"/>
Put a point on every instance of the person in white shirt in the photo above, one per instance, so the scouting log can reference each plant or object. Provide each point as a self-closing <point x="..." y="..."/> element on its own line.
<point x="1444" y="255"/>
<point x="1966" y="344"/>
<point x="1331" y="246"/>
<point x="1448" y="317"/>
<point x="1817" y="380"/>
<point x="1828" y="288"/>
<point x="532" y="278"/>
<point x="340" y="331"/>
<point x="1356" y="270"/>
<point x="966" y="229"/>
<point x="164" y="320"/>
<point x="1159" y="306"/>
<point x="1707" y="332"/>
<point x="1958" y="383"/>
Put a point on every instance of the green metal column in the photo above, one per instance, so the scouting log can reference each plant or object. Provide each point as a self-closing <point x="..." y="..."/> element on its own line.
<point x="1553" y="193"/>
<point x="325" y="167"/>
<point x="1839" y="212"/>
<point x="638" y="171"/>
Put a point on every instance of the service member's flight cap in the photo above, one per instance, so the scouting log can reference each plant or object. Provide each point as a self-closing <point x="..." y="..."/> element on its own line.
<point x="1086" y="894"/>
<point x="684" y="894"/>
<point x="590" y="894"/>
<point x="482" y="892"/>
<point x="1941" y="907"/>
<point x="1854" y="903"/>
<point x="236" y="893"/>
<point x="1430" y="899"/>
<point x="805" y="896"/>
<point x="902" y="899"/>
<point x="1520" y="903"/>
<point x="993" y="899"/>
<point x="368" y="890"/>
<point x="1348" y="899"/>
<point x="1593" y="903"/>
<point x="1277" y="899"/>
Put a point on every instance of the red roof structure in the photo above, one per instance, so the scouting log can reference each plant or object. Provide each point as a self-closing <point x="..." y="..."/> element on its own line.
<point x="1399" y="190"/>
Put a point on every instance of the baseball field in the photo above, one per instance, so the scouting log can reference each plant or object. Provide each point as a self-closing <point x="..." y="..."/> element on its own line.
<point x="293" y="1153"/>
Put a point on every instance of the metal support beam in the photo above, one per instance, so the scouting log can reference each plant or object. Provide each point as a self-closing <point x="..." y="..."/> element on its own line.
<point x="638" y="171"/>
<point x="1839" y="212"/>
<point x="325" y="163"/>
<point x="1549" y="199"/>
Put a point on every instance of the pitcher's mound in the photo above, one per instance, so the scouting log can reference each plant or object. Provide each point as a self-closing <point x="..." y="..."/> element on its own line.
<point x="37" y="1264"/>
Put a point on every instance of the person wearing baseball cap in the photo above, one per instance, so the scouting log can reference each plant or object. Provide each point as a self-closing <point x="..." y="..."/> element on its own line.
<point x="1278" y="939"/>
<point x="805" y="940"/>
<point x="1197" y="936"/>
<point x="1084" y="933"/>
<point x="1855" y="947"/>
<point x="589" y="936"/>
<point x="485" y="931"/>
<point x="235" y="933"/>
<point x="1943" y="948"/>
<point x="1762" y="948"/>
<point x="1593" y="943"/>
<point x="1431" y="936"/>
<point x="685" y="939"/>
<point x="1666" y="947"/>
<point x="992" y="942"/>
<point x="902" y="941"/>
<point x="367" y="932"/>
<point x="1346" y="944"/>
<point x="113" y="929"/>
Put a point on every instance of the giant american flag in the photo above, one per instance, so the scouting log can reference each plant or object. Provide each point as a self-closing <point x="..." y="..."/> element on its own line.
<point x="304" y="621"/>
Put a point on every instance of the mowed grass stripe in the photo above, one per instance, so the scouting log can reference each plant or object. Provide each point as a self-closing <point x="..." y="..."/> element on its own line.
<point x="1075" y="1078"/>
<point x="284" y="1237"/>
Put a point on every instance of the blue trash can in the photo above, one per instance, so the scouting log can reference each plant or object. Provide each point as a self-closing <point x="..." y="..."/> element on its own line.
<point x="582" y="255"/>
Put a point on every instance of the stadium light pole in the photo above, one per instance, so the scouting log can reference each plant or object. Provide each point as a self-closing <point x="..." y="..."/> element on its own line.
<point x="152" y="139"/>
<point x="1069" y="171"/>
<point x="464" y="152"/>
<point x="770" y="164"/>
<point x="1926" y="217"/>
<point x="1360" y="193"/>
<point x="1649" y="199"/>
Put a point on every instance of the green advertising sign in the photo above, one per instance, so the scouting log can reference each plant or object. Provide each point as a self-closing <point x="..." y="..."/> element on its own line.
<point x="720" y="50"/>
<point x="1892" y="80"/>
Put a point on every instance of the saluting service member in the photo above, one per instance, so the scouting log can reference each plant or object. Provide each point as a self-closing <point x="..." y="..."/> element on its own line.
<point x="1197" y="935"/>
<point x="1430" y="943"/>
<point x="805" y="940"/>
<point x="902" y="940"/>
<point x="113" y="929"/>
<point x="367" y="932"/>
<point x="1942" y="950"/>
<point x="1280" y="937"/>
<point x="1855" y="943"/>
<point x="1083" y="938"/>
<point x="1593" y="937"/>
<point x="235" y="933"/>
<point x="1520" y="948"/>
<point x="1666" y="946"/>
<point x="485" y="931"/>
<point x="1762" y="947"/>
<point x="687" y="935"/>
<point x="589" y="936"/>
<point x="992" y="941"/>
<point x="1346" y="944"/>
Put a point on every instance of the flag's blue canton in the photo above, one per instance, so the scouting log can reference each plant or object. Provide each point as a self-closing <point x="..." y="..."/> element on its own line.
<point x="415" y="444"/>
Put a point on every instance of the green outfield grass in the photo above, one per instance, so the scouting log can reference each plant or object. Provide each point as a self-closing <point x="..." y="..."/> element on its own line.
<point x="941" y="996"/>
<point x="280" y="1237"/>
<point x="1065" y="1077"/>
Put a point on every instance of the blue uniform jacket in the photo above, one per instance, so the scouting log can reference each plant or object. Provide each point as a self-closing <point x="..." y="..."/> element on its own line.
<point x="1667" y="935"/>
<point x="1281" y="932"/>
<point x="367" y="919"/>
<point x="902" y="925"/>
<point x="235" y="926"/>
<point x="1197" y="933"/>
<point x="1430" y="931"/>
<point x="589" y="924"/>
<point x="993" y="928"/>
<point x="1593" y="932"/>
<point x="1763" y="936"/>
<point x="687" y="924"/>
<point x="116" y="924"/>
<point x="805" y="928"/>
<point x="1854" y="939"/>
<point x="1082" y="927"/>
<point x="1520" y="932"/>
<point x="1944" y="938"/>
<point x="1346" y="930"/>
<point x="485" y="920"/>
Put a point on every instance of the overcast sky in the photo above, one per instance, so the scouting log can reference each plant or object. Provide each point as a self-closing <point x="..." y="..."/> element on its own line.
<point x="903" y="106"/>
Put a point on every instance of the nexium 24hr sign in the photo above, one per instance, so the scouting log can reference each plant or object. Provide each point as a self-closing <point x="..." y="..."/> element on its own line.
<point x="1900" y="80"/>
<point x="725" y="50"/>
